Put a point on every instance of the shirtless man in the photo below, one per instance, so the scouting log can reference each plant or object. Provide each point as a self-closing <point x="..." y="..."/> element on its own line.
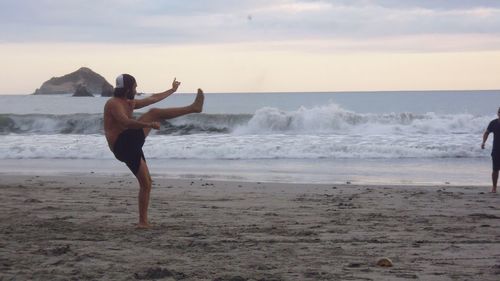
<point x="126" y="135"/>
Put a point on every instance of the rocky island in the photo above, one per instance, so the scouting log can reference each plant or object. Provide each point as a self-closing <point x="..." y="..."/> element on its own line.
<point x="83" y="82"/>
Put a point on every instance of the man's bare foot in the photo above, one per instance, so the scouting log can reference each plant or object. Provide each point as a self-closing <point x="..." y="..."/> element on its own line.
<point x="143" y="226"/>
<point x="493" y="190"/>
<point x="198" y="102"/>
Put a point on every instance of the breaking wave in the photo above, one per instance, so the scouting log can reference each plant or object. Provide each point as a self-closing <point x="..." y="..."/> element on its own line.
<point x="328" y="119"/>
<point x="323" y="132"/>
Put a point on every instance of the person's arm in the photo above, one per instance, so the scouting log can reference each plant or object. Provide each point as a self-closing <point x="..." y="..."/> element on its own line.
<point x="157" y="97"/>
<point x="485" y="138"/>
<point x="119" y="114"/>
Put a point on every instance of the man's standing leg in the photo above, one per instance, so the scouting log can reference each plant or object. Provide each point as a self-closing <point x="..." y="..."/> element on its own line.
<point x="494" y="178"/>
<point x="144" y="191"/>
<point x="495" y="159"/>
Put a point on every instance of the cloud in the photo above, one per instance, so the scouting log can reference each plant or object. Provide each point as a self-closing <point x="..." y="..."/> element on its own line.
<point x="200" y="21"/>
<point x="430" y="4"/>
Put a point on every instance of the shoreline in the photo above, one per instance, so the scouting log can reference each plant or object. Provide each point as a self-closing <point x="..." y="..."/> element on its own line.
<point x="127" y="180"/>
<point x="401" y="172"/>
<point x="83" y="227"/>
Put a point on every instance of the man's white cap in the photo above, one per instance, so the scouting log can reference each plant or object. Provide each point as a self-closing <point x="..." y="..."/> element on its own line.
<point x="119" y="81"/>
<point x="125" y="81"/>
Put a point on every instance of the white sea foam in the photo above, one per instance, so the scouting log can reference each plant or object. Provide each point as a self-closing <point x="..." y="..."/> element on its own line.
<point x="331" y="119"/>
<point x="271" y="146"/>
<point x="317" y="132"/>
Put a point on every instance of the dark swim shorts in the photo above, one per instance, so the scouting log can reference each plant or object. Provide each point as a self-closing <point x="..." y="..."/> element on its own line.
<point x="128" y="148"/>
<point x="495" y="158"/>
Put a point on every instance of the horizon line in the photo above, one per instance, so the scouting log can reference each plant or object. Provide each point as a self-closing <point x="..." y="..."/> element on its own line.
<point x="303" y="92"/>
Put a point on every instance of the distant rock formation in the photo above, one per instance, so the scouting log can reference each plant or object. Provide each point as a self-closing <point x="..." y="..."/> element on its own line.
<point x="93" y="83"/>
<point x="81" y="91"/>
<point x="107" y="90"/>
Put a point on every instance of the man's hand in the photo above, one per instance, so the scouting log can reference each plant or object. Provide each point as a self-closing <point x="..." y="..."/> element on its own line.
<point x="482" y="145"/>
<point x="154" y="125"/>
<point x="175" y="84"/>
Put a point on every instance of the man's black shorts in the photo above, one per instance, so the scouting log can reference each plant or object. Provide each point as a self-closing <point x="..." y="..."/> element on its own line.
<point x="496" y="162"/>
<point x="128" y="148"/>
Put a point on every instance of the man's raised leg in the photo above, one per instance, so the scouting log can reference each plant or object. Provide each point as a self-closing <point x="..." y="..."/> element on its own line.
<point x="145" y="184"/>
<point x="159" y="114"/>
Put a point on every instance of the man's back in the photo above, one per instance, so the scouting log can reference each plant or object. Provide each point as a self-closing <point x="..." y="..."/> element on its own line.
<point x="494" y="127"/>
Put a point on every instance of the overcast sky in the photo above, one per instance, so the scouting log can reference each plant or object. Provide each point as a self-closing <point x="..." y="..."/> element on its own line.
<point x="202" y="21"/>
<point x="330" y="27"/>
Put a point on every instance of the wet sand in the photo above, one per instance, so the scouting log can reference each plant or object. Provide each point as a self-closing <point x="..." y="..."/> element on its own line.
<point x="83" y="228"/>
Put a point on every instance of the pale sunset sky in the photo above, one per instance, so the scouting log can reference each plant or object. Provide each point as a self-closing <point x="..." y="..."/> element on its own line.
<point x="255" y="46"/>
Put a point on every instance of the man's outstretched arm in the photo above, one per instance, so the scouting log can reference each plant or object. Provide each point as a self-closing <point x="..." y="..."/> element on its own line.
<point x="485" y="138"/>
<point x="157" y="97"/>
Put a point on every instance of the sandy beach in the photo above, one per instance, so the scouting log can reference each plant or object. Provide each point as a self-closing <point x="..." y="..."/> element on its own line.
<point x="83" y="228"/>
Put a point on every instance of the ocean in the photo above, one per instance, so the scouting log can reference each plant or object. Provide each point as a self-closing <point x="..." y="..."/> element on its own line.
<point x="429" y="137"/>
